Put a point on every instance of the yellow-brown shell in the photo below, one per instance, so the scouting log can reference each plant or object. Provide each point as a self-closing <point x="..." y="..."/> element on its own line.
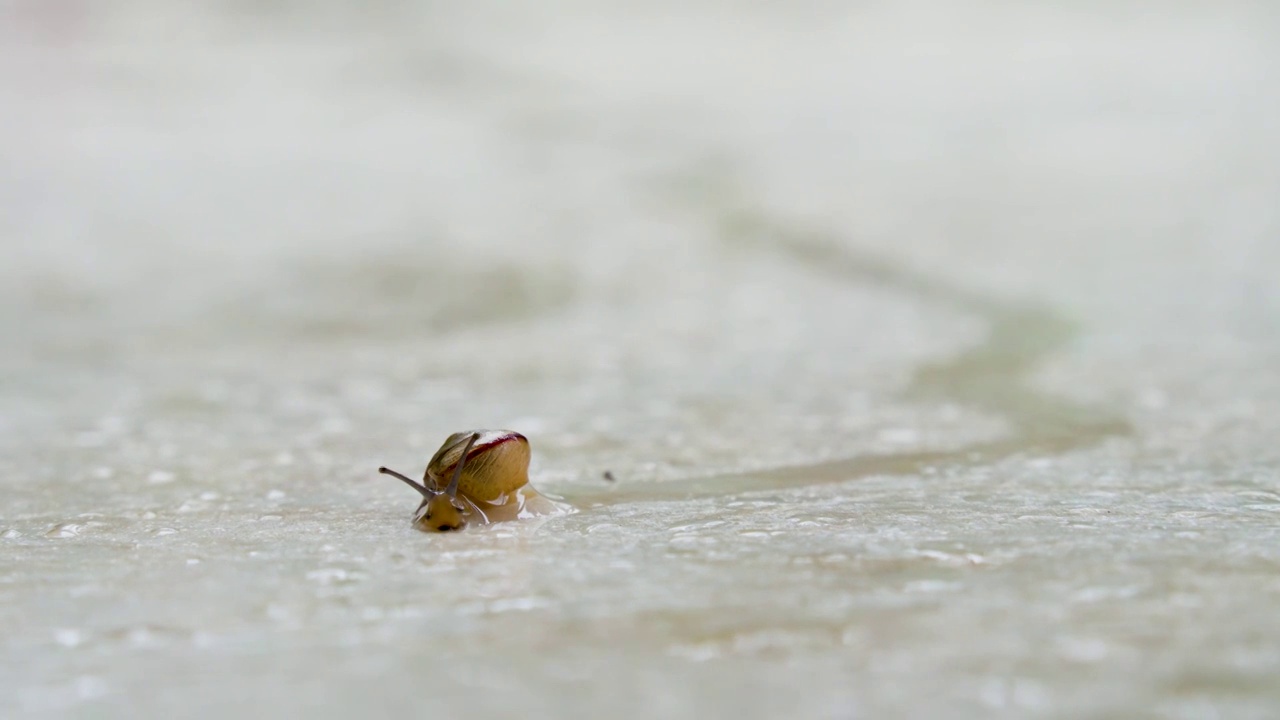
<point x="497" y="464"/>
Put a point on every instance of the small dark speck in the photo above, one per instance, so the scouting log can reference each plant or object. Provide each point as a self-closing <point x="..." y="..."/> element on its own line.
<point x="608" y="475"/>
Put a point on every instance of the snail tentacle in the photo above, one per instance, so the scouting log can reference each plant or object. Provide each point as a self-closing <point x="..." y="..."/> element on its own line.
<point x="452" y="490"/>
<point x="422" y="489"/>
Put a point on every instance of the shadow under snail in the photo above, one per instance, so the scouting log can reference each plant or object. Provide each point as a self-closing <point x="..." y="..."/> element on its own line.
<point x="488" y="481"/>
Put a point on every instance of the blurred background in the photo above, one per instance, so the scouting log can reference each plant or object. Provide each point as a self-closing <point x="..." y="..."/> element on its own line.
<point x="935" y="348"/>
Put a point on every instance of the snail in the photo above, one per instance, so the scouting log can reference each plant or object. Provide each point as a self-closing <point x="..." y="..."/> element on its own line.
<point x="488" y="481"/>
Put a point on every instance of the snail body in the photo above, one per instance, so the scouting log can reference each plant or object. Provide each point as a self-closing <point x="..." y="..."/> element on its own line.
<point x="477" y="476"/>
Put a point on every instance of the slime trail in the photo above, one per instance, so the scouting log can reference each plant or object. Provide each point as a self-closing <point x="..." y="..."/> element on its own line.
<point x="992" y="376"/>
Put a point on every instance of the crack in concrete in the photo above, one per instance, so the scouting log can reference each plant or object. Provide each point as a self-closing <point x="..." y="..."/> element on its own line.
<point x="992" y="377"/>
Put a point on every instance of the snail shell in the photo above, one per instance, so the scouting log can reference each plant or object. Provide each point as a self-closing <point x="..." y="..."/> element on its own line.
<point x="497" y="464"/>
<point x="477" y="476"/>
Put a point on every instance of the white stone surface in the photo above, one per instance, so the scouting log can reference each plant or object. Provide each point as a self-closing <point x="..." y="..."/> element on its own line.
<point x="935" y="349"/>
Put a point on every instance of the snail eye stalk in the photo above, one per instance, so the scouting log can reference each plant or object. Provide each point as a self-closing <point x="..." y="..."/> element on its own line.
<point x="422" y="489"/>
<point x="452" y="490"/>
